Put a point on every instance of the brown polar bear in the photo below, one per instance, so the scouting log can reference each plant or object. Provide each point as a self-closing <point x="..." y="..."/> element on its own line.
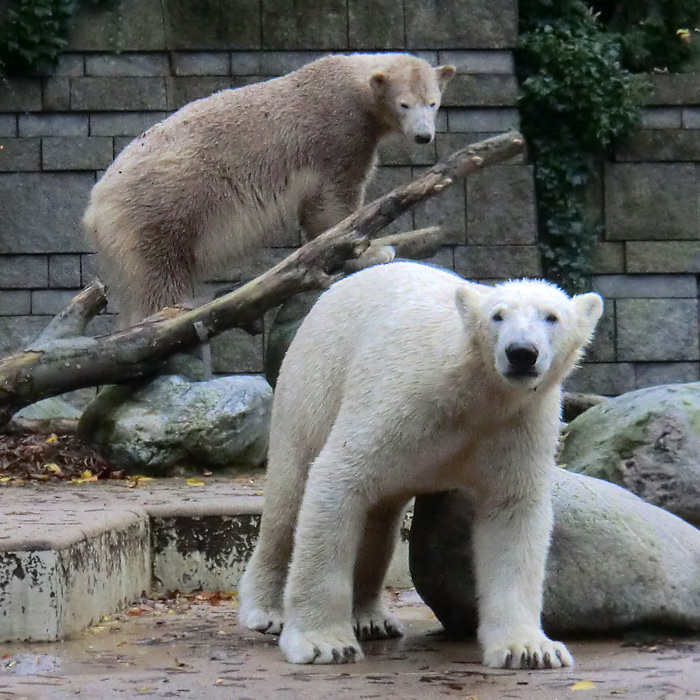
<point x="232" y="172"/>
<point x="404" y="379"/>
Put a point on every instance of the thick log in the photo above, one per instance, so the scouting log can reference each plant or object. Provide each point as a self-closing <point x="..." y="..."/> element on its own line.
<point x="73" y="363"/>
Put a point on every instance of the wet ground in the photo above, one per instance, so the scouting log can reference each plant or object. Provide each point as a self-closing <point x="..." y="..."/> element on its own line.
<point x="193" y="648"/>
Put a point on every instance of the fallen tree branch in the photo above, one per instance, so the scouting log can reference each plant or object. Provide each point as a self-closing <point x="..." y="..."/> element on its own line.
<point x="72" y="321"/>
<point x="58" y="366"/>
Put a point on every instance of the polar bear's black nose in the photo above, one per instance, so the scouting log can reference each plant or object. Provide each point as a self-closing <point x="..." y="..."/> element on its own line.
<point x="522" y="356"/>
<point x="423" y="138"/>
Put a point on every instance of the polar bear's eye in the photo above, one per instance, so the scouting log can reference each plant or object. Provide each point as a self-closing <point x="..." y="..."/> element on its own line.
<point x="552" y="318"/>
<point x="498" y="316"/>
<point x="404" y="105"/>
<point x="433" y="104"/>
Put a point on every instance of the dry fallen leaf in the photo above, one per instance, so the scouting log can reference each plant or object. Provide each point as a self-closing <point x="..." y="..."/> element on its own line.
<point x="51" y="439"/>
<point x="194" y="482"/>
<point x="583" y="685"/>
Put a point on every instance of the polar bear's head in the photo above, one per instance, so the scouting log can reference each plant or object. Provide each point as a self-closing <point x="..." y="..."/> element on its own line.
<point x="529" y="331"/>
<point x="408" y="91"/>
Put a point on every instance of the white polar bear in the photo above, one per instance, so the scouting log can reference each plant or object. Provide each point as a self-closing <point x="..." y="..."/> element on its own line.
<point x="404" y="379"/>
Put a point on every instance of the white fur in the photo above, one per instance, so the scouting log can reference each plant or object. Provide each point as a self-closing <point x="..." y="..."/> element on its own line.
<point x="395" y="385"/>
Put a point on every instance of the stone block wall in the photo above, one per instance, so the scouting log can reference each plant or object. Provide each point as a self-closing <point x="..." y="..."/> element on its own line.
<point x="134" y="63"/>
<point x="648" y="262"/>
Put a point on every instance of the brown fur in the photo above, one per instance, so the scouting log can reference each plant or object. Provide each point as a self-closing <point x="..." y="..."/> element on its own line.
<point x="234" y="171"/>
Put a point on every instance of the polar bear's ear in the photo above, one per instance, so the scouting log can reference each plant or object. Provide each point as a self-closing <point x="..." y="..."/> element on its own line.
<point x="379" y="82"/>
<point x="589" y="307"/>
<point x="444" y="75"/>
<point x="468" y="298"/>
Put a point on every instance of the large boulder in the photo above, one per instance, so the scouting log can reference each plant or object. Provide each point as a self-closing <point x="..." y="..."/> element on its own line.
<point x="173" y="425"/>
<point x="647" y="441"/>
<point x="616" y="562"/>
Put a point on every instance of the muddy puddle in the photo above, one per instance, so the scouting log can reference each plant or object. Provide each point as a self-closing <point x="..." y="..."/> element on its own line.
<point x="193" y="648"/>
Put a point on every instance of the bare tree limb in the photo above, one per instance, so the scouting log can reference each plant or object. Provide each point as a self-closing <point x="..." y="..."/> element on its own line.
<point x="74" y="318"/>
<point x="58" y="366"/>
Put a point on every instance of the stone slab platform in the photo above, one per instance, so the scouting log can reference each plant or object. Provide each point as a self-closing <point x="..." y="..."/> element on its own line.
<point x="70" y="554"/>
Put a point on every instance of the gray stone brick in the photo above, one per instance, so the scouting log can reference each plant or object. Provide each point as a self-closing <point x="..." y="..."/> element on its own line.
<point x="482" y="120"/>
<point x="19" y="154"/>
<point x="609" y="258"/>
<point x="274" y="63"/>
<point x="130" y="64"/>
<point x="8" y="125"/>
<point x="123" y="25"/>
<point x="16" y="332"/>
<point x="661" y="118"/>
<point x="120" y="143"/>
<point x="70" y="65"/>
<point x="501" y="206"/>
<point x="646" y="286"/>
<point x="481" y="91"/>
<point x="83" y="153"/>
<point x="64" y="271"/>
<point x="213" y="24"/>
<point x="56" y="94"/>
<point x="672" y="256"/>
<point x="236" y="352"/>
<point x="118" y="94"/>
<point x="124" y="123"/>
<point x="469" y="24"/>
<point x="202" y="63"/>
<point x="691" y="118"/>
<point x="186" y="89"/>
<point x="88" y="269"/>
<point x="248" y="269"/>
<point x="445" y="258"/>
<point x="445" y="210"/>
<point x="653" y="330"/>
<point x="312" y="24"/>
<point x="397" y="150"/>
<point x="53" y="125"/>
<point x="246" y="62"/>
<point x="661" y="145"/>
<point x="607" y="379"/>
<point x="656" y="373"/>
<point x="51" y="301"/>
<point x="23" y="271"/>
<point x="675" y="89"/>
<point x="15" y="302"/>
<point x="651" y="201"/>
<point x="375" y="24"/>
<point x="42" y="212"/>
<point x="498" y="62"/>
<point x="497" y="262"/>
<point x="602" y="347"/>
<point x="20" y="95"/>
<point x="385" y="180"/>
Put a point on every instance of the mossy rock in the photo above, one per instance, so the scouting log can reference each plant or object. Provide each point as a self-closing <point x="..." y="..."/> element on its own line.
<point x="647" y="441"/>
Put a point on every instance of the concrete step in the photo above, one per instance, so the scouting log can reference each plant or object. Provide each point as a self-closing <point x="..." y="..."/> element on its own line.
<point x="70" y="554"/>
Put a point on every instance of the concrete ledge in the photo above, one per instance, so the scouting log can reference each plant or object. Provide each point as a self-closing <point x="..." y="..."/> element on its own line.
<point x="57" y="584"/>
<point x="69" y="555"/>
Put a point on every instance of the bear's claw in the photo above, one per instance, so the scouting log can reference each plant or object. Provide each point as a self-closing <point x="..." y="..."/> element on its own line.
<point x="535" y="653"/>
<point x="265" y="622"/>
<point x="377" y="623"/>
<point x="336" y="646"/>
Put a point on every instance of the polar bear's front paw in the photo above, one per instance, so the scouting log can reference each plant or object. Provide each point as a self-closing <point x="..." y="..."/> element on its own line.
<point x="333" y="646"/>
<point x="376" y="622"/>
<point x="527" y="651"/>
<point x="265" y="621"/>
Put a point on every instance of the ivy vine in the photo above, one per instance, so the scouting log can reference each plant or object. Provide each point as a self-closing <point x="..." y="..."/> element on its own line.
<point x="33" y="33"/>
<point x="580" y="94"/>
